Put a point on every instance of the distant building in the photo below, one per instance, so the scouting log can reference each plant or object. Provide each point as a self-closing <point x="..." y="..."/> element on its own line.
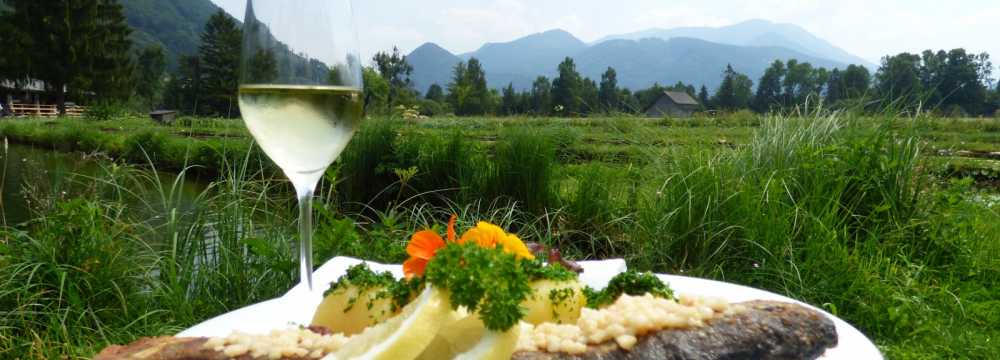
<point x="29" y="92"/>
<point x="673" y="103"/>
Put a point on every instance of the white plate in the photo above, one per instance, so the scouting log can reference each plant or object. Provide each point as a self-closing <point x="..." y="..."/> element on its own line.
<point x="297" y="305"/>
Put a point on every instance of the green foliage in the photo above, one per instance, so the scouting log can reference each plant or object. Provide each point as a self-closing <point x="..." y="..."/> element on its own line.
<point x="735" y="92"/>
<point x="106" y="110"/>
<point x="467" y="93"/>
<point x="174" y="26"/>
<point x="631" y="283"/>
<point x="81" y="45"/>
<point x="396" y="72"/>
<point x="151" y="63"/>
<point x="857" y="214"/>
<point x="435" y="93"/>
<point x="75" y="267"/>
<point x="566" y="89"/>
<point x="376" y="91"/>
<point x="609" y="93"/>
<point x="489" y="282"/>
<point x="262" y="68"/>
<point x="219" y="66"/>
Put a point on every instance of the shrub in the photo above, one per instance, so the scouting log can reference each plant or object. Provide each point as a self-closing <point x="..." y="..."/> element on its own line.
<point x="106" y="110"/>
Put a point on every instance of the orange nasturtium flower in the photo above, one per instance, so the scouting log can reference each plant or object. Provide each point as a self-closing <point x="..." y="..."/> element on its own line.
<point x="422" y="247"/>
<point x="489" y="236"/>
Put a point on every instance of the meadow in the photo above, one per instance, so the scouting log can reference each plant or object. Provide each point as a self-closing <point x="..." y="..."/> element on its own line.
<point x="889" y="222"/>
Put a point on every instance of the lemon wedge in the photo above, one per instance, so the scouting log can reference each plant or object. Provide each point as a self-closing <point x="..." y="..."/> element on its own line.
<point x="493" y="346"/>
<point x="460" y="334"/>
<point x="403" y="336"/>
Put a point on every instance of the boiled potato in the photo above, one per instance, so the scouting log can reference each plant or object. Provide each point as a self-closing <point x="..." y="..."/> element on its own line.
<point x="554" y="301"/>
<point x="349" y="311"/>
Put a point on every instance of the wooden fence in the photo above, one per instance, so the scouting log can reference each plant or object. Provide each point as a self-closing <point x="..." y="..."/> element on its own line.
<point x="45" y="110"/>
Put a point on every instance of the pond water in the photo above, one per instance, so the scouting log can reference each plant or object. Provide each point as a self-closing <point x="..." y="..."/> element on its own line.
<point x="31" y="174"/>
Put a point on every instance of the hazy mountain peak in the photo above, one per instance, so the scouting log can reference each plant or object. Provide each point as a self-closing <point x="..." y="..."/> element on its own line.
<point x="430" y="47"/>
<point x="754" y="32"/>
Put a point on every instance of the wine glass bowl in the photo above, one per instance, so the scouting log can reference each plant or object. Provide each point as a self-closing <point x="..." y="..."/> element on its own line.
<point x="300" y="92"/>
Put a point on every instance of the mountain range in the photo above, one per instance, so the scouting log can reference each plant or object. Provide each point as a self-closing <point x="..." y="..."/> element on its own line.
<point x="692" y="55"/>
<point x="175" y="25"/>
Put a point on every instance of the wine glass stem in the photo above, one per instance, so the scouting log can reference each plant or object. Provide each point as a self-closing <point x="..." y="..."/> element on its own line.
<point x="305" y="237"/>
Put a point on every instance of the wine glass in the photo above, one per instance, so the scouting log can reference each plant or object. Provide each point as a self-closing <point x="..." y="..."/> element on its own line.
<point x="300" y="92"/>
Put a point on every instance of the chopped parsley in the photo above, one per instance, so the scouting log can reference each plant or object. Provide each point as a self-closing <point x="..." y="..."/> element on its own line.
<point x="403" y="291"/>
<point x="538" y="270"/>
<point x="629" y="282"/>
<point x="559" y="298"/>
<point x="487" y="281"/>
<point x="362" y="278"/>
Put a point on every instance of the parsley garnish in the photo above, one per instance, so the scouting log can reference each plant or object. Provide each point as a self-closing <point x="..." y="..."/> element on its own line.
<point x="538" y="270"/>
<point x="629" y="282"/>
<point x="487" y="281"/>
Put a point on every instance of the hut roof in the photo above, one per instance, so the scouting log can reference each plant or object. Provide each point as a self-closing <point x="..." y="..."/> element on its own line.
<point x="680" y="97"/>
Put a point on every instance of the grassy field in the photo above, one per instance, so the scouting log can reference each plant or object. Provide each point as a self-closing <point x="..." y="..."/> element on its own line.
<point x="890" y="223"/>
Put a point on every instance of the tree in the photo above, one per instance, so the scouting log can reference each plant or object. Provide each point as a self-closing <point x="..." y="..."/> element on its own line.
<point x="262" y="68"/>
<point x="71" y="45"/>
<point x="608" y="94"/>
<point x="566" y="88"/>
<point x="376" y="90"/>
<point x="508" y="103"/>
<point x="220" y="58"/>
<point x="112" y="72"/>
<point x="856" y="81"/>
<point x="396" y="71"/>
<point x="589" y="97"/>
<point x="899" y="77"/>
<point x="703" y="98"/>
<point x="541" y="96"/>
<point x="801" y="82"/>
<point x="768" y="94"/>
<point x="151" y="63"/>
<point x="435" y="93"/>
<point x="835" y="91"/>
<point x="735" y="91"/>
<point x="183" y="90"/>
<point x="468" y="93"/>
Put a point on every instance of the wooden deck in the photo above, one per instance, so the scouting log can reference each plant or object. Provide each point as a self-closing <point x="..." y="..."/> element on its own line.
<point x="45" y="110"/>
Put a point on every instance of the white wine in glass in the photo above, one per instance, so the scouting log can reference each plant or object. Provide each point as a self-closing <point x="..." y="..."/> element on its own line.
<point x="300" y="93"/>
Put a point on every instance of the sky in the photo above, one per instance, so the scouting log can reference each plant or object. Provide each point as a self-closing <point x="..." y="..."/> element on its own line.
<point x="866" y="28"/>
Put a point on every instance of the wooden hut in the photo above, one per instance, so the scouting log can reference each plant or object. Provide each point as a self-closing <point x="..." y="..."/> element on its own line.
<point x="674" y="104"/>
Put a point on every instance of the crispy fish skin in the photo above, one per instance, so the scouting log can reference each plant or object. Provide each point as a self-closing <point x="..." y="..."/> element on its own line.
<point x="765" y="330"/>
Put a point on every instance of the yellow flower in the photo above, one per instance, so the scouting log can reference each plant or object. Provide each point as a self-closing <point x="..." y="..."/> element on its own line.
<point x="489" y="236"/>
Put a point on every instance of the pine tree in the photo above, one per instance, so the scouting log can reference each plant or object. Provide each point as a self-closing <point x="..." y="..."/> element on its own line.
<point x="183" y="90"/>
<point x="220" y="58"/>
<point x="735" y="91"/>
<point x="703" y="98"/>
<point x="151" y="64"/>
<point x="76" y="45"/>
<point x="468" y="93"/>
<point x="608" y="93"/>
<point x="508" y="103"/>
<point x="435" y="93"/>
<point x="566" y="88"/>
<point x="112" y="70"/>
<point x="541" y="96"/>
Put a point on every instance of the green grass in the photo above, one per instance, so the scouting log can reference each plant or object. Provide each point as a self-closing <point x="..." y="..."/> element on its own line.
<point x="863" y="216"/>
